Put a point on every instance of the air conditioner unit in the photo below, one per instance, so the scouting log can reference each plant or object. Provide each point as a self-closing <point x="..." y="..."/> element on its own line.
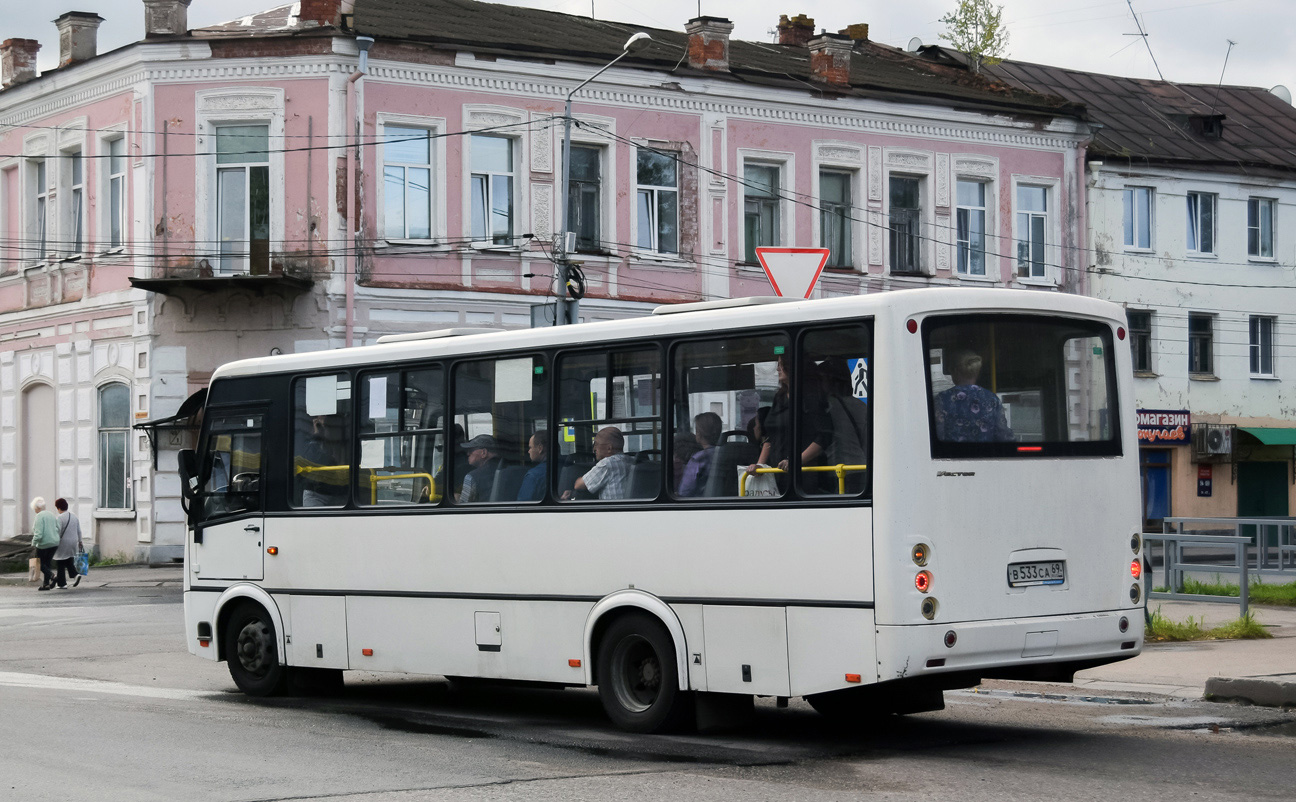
<point x="1213" y="441"/>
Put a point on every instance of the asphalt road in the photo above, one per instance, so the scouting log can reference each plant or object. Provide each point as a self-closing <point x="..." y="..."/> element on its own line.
<point x="101" y="702"/>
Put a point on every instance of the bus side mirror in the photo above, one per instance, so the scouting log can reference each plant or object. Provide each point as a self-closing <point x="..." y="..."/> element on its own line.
<point x="188" y="473"/>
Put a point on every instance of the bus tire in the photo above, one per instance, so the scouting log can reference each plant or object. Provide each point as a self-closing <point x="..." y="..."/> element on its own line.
<point x="252" y="652"/>
<point x="638" y="680"/>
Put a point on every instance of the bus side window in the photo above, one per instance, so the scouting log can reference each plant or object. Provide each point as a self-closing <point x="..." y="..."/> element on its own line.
<point x="499" y="404"/>
<point x="402" y="438"/>
<point x="321" y="472"/>
<point x="833" y="411"/>
<point x="719" y="431"/>
<point x="609" y="437"/>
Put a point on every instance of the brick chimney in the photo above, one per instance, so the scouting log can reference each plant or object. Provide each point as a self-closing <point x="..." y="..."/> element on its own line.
<point x="321" y="12"/>
<point x="17" y="61"/>
<point x="856" y="33"/>
<point x="708" y="43"/>
<point x="797" y="31"/>
<point x="830" y="59"/>
<point x="78" y="36"/>
<point x="166" y="17"/>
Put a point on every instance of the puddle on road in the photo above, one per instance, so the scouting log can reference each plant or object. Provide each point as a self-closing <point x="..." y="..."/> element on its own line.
<point x="1053" y="697"/>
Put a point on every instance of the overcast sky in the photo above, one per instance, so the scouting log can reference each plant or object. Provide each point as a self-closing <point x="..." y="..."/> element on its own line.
<point x="1189" y="38"/>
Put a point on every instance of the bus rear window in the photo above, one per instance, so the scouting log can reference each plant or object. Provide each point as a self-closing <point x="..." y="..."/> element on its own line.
<point x="1020" y="385"/>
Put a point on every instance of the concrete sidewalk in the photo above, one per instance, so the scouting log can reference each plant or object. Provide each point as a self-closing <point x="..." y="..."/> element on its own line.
<point x="1259" y="672"/>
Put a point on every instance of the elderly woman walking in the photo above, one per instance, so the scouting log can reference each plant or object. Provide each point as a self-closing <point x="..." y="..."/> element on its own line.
<point x="69" y="545"/>
<point x="45" y="539"/>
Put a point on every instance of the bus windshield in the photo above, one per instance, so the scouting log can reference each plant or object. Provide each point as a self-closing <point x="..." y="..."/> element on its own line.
<point x="1020" y="386"/>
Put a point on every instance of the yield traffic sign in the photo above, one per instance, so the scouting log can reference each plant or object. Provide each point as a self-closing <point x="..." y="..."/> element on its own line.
<point x="792" y="272"/>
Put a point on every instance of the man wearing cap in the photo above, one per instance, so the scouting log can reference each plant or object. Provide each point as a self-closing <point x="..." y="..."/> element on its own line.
<point x="484" y="461"/>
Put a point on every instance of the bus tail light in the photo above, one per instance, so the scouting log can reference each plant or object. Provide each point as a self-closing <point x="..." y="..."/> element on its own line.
<point x="920" y="554"/>
<point x="852" y="677"/>
<point x="1136" y="542"/>
<point x="951" y="638"/>
<point x="1136" y="593"/>
<point x="923" y="581"/>
<point x="929" y="606"/>
<point x="1120" y="332"/>
<point x="912" y="326"/>
<point x="1123" y="624"/>
<point x="1136" y="568"/>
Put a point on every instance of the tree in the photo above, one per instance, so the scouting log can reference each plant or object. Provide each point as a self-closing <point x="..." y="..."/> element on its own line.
<point x="976" y="28"/>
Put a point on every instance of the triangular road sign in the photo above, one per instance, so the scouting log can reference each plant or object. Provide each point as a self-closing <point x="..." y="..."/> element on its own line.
<point x="792" y="272"/>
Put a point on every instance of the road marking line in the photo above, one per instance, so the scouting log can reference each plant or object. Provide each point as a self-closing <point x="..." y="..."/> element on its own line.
<point x="78" y="685"/>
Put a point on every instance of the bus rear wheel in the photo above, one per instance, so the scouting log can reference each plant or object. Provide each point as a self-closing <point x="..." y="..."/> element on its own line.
<point x="638" y="680"/>
<point x="252" y="652"/>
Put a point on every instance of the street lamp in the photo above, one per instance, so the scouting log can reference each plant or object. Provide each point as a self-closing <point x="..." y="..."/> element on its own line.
<point x="567" y="238"/>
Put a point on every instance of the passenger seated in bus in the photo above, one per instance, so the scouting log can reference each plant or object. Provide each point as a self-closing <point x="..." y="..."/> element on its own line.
<point x="706" y="428"/>
<point x="534" y="483"/>
<point x="323" y="465"/>
<point x="484" y="459"/>
<point x="757" y="435"/>
<point x="610" y="476"/>
<point x="968" y="412"/>
<point x="686" y="445"/>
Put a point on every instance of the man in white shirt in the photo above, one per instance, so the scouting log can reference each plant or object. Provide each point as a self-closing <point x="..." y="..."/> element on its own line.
<point x="610" y="475"/>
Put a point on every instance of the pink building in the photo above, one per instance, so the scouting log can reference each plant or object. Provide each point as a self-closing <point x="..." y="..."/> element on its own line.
<point x="262" y="186"/>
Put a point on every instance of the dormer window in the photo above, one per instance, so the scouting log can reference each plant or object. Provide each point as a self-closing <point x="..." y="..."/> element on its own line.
<point x="1207" y="126"/>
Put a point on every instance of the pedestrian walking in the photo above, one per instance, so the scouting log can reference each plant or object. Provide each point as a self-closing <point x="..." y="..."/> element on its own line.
<point x="45" y="539"/>
<point x="69" y="545"/>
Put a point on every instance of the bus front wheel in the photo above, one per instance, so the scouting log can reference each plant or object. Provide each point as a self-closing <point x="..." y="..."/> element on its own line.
<point x="638" y="680"/>
<point x="252" y="652"/>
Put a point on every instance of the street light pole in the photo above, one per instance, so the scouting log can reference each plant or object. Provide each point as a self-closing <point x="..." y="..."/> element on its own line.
<point x="566" y="239"/>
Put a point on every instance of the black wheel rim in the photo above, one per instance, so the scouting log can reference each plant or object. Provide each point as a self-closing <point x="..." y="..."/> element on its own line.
<point x="636" y="674"/>
<point x="255" y="648"/>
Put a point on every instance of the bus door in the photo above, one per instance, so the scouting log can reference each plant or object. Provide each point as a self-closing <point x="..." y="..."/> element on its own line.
<point x="227" y="509"/>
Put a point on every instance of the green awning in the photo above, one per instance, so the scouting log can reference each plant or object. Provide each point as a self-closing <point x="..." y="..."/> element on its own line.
<point x="1272" y="437"/>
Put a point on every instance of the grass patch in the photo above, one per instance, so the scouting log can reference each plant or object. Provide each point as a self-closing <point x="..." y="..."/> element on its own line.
<point x="1258" y="592"/>
<point x="1163" y="630"/>
<point x="117" y="559"/>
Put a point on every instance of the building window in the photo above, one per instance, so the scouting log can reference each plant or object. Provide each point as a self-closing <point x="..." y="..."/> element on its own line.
<point x="73" y="201"/>
<point x="492" y="189"/>
<point x="243" y="198"/>
<point x="114" y="451"/>
<point x="1201" y="222"/>
<point x="1140" y="330"/>
<point x="657" y="196"/>
<point x="407" y="183"/>
<point x="760" y="208"/>
<point x="116" y="193"/>
<point x="971" y="222"/>
<point x="835" y="216"/>
<point x="1260" y="227"/>
<point x="905" y="217"/>
<point x="1201" y="343"/>
<point x="1138" y="217"/>
<point x="1262" y="363"/>
<point x="583" y="195"/>
<point x="1032" y="223"/>
<point x="40" y="208"/>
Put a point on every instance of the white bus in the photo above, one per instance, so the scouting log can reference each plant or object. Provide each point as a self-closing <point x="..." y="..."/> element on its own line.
<point x="864" y="501"/>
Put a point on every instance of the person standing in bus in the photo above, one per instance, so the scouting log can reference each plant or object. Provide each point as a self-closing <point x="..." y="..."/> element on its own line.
<point x="610" y="475"/>
<point x="816" y="427"/>
<point x="484" y="459"/>
<point x="534" y="483"/>
<point x="325" y="469"/>
<point x="697" y="471"/>
<point x="968" y="412"/>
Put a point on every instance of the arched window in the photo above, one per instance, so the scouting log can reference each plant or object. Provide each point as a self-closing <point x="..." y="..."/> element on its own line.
<point x="114" y="450"/>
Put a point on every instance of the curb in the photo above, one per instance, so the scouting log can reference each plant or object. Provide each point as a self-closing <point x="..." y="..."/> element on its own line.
<point x="1277" y="692"/>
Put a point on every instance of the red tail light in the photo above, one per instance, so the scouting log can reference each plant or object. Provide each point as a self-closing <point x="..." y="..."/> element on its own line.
<point x="1136" y="568"/>
<point x="923" y="581"/>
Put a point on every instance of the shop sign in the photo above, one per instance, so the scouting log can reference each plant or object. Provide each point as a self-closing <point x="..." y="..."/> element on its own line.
<point x="1204" y="480"/>
<point x="1170" y="426"/>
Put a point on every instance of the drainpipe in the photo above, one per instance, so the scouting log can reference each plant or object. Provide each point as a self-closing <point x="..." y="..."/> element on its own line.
<point x="355" y="99"/>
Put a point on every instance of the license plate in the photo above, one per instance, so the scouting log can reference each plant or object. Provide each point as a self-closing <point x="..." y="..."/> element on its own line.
<point x="1052" y="572"/>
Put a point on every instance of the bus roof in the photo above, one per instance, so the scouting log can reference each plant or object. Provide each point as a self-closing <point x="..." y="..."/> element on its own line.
<point x="894" y="302"/>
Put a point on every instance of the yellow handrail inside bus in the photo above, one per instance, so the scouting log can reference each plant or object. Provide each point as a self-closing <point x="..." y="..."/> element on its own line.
<point x="840" y="470"/>
<point x="375" y="479"/>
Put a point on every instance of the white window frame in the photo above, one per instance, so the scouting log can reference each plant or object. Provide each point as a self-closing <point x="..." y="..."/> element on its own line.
<point x="1052" y="228"/>
<point x="920" y="164"/>
<point x="436" y="128"/>
<point x="1130" y="237"/>
<point x="987" y="209"/>
<point x="599" y="132"/>
<point x="127" y="450"/>
<point x="1259" y="349"/>
<point x="237" y="106"/>
<point x="107" y="183"/>
<point x="652" y="252"/>
<point x="1272" y="205"/>
<point x="38" y="212"/>
<point x="1191" y="244"/>
<point x="72" y="201"/>
<point x="847" y="158"/>
<point x="785" y="163"/>
<point x="490" y="120"/>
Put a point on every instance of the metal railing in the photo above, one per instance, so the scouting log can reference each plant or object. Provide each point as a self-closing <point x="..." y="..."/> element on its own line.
<point x="1174" y="567"/>
<point x="1274" y="540"/>
<point x="1274" y="556"/>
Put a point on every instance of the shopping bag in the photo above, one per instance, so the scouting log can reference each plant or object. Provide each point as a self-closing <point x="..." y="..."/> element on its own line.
<point x="759" y="485"/>
<point x="33" y="570"/>
<point x="82" y="563"/>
